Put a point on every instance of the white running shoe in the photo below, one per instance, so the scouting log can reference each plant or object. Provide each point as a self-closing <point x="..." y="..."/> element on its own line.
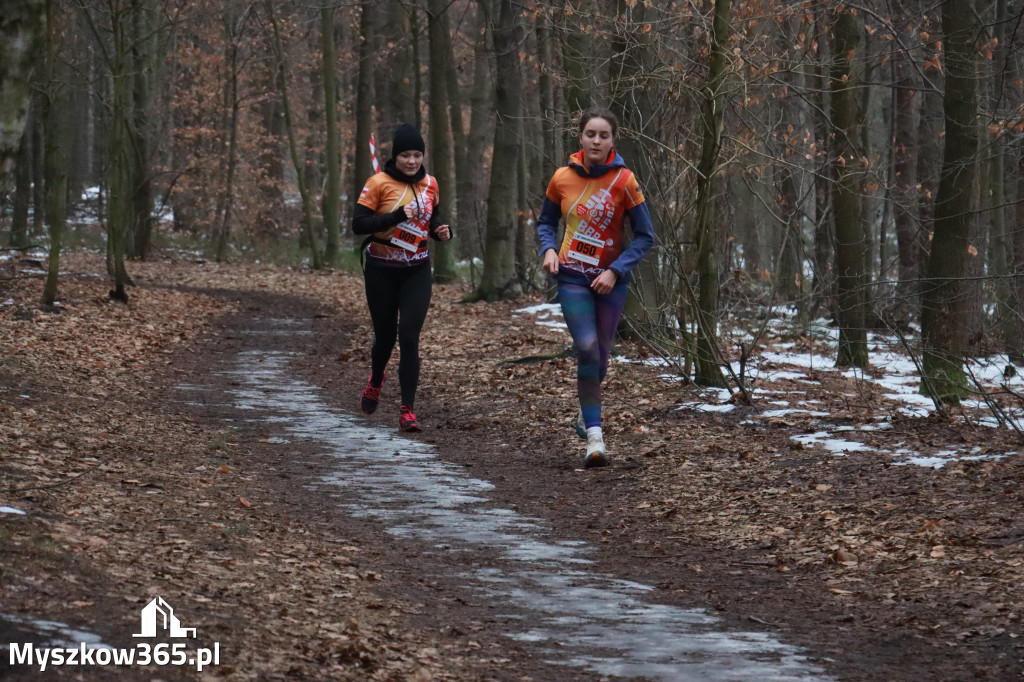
<point x="596" y="454"/>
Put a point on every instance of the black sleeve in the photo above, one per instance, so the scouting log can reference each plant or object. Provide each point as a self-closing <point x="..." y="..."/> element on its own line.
<point x="437" y="219"/>
<point x="365" y="221"/>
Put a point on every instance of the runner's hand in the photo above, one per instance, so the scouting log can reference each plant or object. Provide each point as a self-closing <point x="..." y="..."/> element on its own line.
<point x="443" y="233"/>
<point x="411" y="211"/>
<point x="605" y="282"/>
<point x="551" y="262"/>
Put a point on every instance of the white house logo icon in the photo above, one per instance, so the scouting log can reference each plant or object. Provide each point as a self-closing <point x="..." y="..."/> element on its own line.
<point x="151" y="614"/>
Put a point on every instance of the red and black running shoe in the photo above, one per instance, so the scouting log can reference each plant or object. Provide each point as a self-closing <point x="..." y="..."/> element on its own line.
<point x="407" y="420"/>
<point x="371" y="395"/>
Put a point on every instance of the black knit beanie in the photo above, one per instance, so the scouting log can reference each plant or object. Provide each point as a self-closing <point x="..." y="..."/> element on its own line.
<point x="407" y="138"/>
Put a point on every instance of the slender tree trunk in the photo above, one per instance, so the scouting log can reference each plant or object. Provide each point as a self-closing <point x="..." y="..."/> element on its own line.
<point x="942" y="306"/>
<point x="119" y="205"/>
<point x="473" y="179"/>
<point x="1001" y="252"/>
<point x="525" y="249"/>
<point x="141" y="55"/>
<point x="395" y="95"/>
<point x="233" y="36"/>
<point x="630" y="101"/>
<point x="931" y="140"/>
<point x="56" y="155"/>
<point x="456" y="110"/>
<point x="909" y="238"/>
<point x="38" y="149"/>
<point x="708" y="370"/>
<point x="417" y="72"/>
<point x="577" y="55"/>
<point x="817" y="52"/>
<point x="790" y="278"/>
<point x="18" y="236"/>
<point x="553" y="141"/>
<point x="531" y="165"/>
<point x="271" y="170"/>
<point x="498" y="279"/>
<point x="442" y="164"/>
<point x="847" y="180"/>
<point x="332" y="188"/>
<point x="364" y="97"/>
<point x="316" y="258"/>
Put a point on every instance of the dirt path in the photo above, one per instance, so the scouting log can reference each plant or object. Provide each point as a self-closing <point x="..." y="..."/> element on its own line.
<point x="212" y="512"/>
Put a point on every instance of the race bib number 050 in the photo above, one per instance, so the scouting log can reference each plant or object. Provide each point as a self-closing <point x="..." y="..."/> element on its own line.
<point x="586" y="249"/>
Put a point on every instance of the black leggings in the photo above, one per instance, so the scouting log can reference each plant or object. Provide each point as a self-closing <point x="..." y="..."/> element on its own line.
<point x="398" y="299"/>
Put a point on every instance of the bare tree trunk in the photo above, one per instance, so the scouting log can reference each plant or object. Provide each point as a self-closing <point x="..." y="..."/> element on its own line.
<point x="56" y="155"/>
<point x="18" y="236"/>
<point x="498" y="279"/>
<point x="443" y="253"/>
<point x="332" y="188"/>
<point x="942" y="306"/>
<point x="790" y="279"/>
<point x="553" y="142"/>
<point x="909" y="237"/>
<point x="532" y="178"/>
<point x="38" y="166"/>
<point x="142" y="48"/>
<point x="456" y="111"/>
<point x="300" y="172"/>
<point x="630" y="101"/>
<point x="271" y="170"/>
<point x="708" y="370"/>
<point x="1000" y="250"/>
<point x="847" y="180"/>
<point x="417" y="72"/>
<point x="817" y="52"/>
<point x="472" y="179"/>
<point x="119" y="206"/>
<point x="577" y="54"/>
<point x="233" y="35"/>
<point x="364" y="97"/>
<point x="395" y="95"/>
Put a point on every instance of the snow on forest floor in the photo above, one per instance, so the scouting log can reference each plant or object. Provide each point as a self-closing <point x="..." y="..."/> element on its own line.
<point x="796" y="382"/>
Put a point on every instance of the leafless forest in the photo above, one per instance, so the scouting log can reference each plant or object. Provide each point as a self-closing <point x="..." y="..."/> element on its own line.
<point x="858" y="160"/>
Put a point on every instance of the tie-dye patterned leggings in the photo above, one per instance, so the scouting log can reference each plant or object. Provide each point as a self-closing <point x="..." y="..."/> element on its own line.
<point x="592" y="319"/>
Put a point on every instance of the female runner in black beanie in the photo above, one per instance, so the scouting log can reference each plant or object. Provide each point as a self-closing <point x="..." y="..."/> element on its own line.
<point x="398" y="210"/>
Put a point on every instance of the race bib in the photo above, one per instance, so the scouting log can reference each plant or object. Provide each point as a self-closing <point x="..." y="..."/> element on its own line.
<point x="408" y="236"/>
<point x="586" y="249"/>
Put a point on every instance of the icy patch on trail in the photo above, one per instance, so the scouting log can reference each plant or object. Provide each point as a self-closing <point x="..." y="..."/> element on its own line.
<point x="545" y="313"/>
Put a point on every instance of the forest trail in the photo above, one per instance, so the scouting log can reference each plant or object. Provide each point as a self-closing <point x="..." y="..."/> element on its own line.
<point x="278" y="551"/>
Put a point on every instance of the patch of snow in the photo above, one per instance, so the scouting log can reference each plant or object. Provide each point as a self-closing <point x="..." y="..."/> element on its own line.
<point x="544" y="312"/>
<point x="795" y="410"/>
<point x="548" y="308"/>
<point x="707" y="407"/>
<point x="776" y="376"/>
<point x="838" y="446"/>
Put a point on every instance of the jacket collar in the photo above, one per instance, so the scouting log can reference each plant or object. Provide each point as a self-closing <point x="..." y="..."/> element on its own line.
<point x="614" y="160"/>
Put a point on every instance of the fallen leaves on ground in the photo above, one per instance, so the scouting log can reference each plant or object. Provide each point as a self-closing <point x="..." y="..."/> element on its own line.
<point x="936" y="552"/>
